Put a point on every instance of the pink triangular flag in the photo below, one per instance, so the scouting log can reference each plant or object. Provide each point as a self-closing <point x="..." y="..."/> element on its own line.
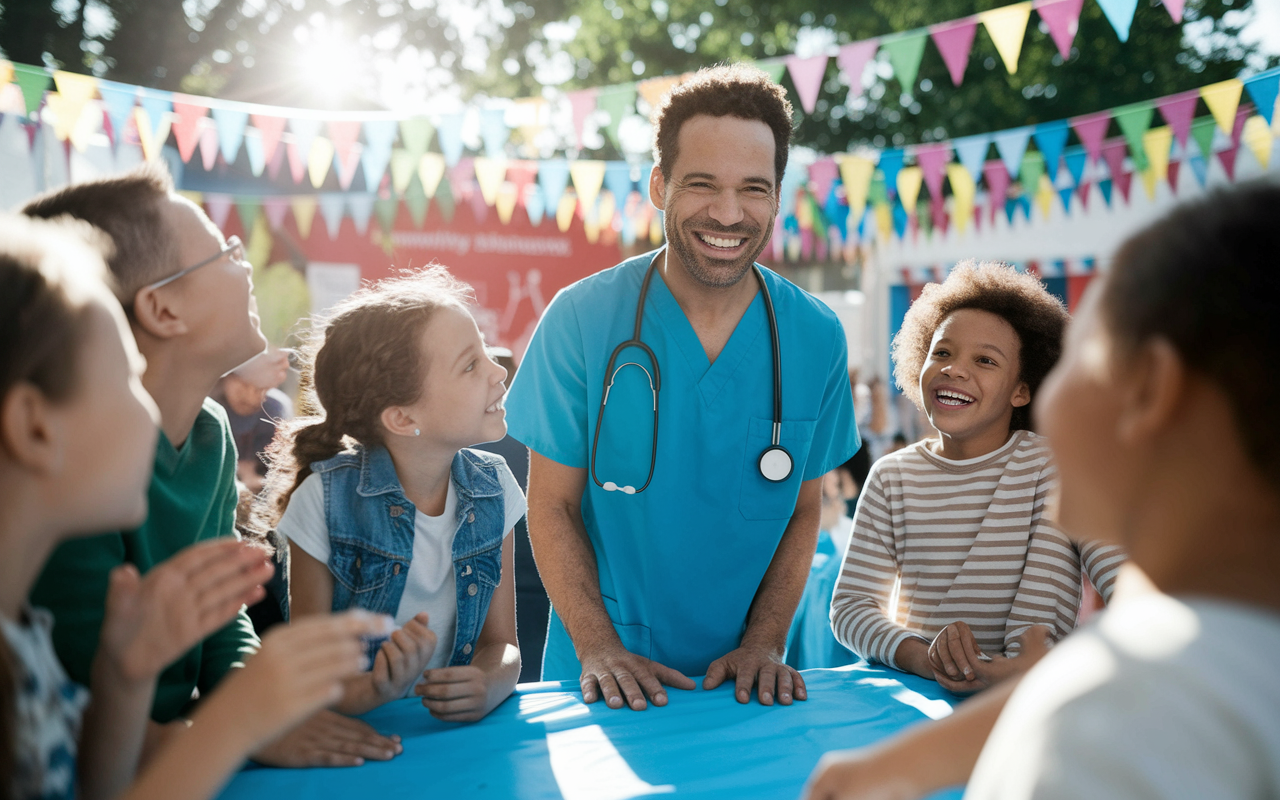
<point x="932" y="160"/>
<point x="1082" y="192"/>
<point x="582" y="102"/>
<point x="1228" y="159"/>
<point x="822" y="175"/>
<point x="1123" y="182"/>
<point x="218" y="207"/>
<point x="1243" y="113"/>
<point x="1114" y="152"/>
<point x="275" y="208"/>
<point x="270" y="128"/>
<point x="1172" y="175"/>
<point x="997" y="178"/>
<point x="806" y="75"/>
<point x="1091" y="128"/>
<point x="274" y="164"/>
<point x="188" y="112"/>
<point x="853" y="59"/>
<point x="297" y="162"/>
<point x="343" y="135"/>
<point x="1062" y="18"/>
<point x="1177" y="110"/>
<point x="209" y="147"/>
<point x="954" y="40"/>
<point x="1174" y="7"/>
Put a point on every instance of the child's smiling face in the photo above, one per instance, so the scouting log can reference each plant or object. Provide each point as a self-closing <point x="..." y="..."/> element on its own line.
<point x="970" y="382"/>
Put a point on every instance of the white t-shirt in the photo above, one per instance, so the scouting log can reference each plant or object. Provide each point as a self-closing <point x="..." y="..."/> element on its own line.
<point x="1160" y="698"/>
<point x="430" y="584"/>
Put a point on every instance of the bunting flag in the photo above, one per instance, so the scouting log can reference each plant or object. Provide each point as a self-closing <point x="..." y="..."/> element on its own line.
<point x="189" y="113"/>
<point x="553" y="178"/>
<point x="1264" y="88"/>
<point x="1091" y="128"/>
<point x="1134" y="120"/>
<point x="415" y="135"/>
<point x="775" y="68"/>
<point x="616" y="101"/>
<point x="384" y="208"/>
<point x="76" y="91"/>
<point x="494" y="132"/>
<point x="343" y="135"/>
<point x="150" y="136"/>
<point x="1177" y="110"/>
<point x="1051" y="139"/>
<point x="208" y="147"/>
<point x="431" y="169"/>
<point x="275" y="209"/>
<point x="403" y="167"/>
<point x="1113" y="153"/>
<point x="490" y="174"/>
<point x="270" y="129"/>
<point x="1012" y="145"/>
<point x="360" y="207"/>
<point x="971" y="152"/>
<point x="1257" y="136"/>
<point x="996" y="174"/>
<point x="852" y="61"/>
<point x="534" y="205"/>
<point x="230" y="125"/>
<point x="651" y="91"/>
<point x="332" y="209"/>
<point x="299" y="150"/>
<point x="32" y="81"/>
<point x="932" y="160"/>
<point x="1120" y="14"/>
<point x="617" y="179"/>
<point x="319" y="160"/>
<point x="304" y="212"/>
<point x="1075" y="158"/>
<point x="119" y="99"/>
<point x="581" y="104"/>
<point x="449" y="135"/>
<point x="379" y="136"/>
<point x="218" y="207"/>
<point x="822" y="176"/>
<point x="1202" y="133"/>
<point x="505" y="202"/>
<point x="963" y="189"/>
<point x="855" y="173"/>
<point x="1222" y="99"/>
<point x="587" y="178"/>
<point x="806" y="76"/>
<point x="1174" y="7"/>
<point x="565" y="209"/>
<point x="1007" y="26"/>
<point x="248" y="208"/>
<point x="1156" y="143"/>
<point x="904" y="52"/>
<point x="1062" y="18"/>
<point x="909" y="180"/>
<point x="1030" y="172"/>
<point x="890" y="164"/>
<point x="954" y="41"/>
<point x="417" y="202"/>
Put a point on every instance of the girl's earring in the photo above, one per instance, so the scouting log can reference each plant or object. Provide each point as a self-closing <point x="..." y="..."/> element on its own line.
<point x="417" y="432"/>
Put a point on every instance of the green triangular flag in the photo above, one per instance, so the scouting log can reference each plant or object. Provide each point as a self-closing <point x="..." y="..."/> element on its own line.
<point x="415" y="135"/>
<point x="877" y="192"/>
<point x="1202" y="131"/>
<point x="247" y="208"/>
<point x="905" y="53"/>
<point x="32" y="81"/>
<point x="416" y="200"/>
<point x="775" y="69"/>
<point x="385" y="208"/>
<point x="923" y="217"/>
<point x="1030" y="172"/>
<point x="618" y="101"/>
<point x="1134" y="121"/>
<point x="819" y="222"/>
<point x="444" y="199"/>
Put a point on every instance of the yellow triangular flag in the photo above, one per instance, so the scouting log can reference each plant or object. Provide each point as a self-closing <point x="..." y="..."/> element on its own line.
<point x="587" y="178"/>
<point x="75" y="89"/>
<point x="1258" y="136"/>
<point x="856" y="173"/>
<point x="63" y="120"/>
<point x="195" y="197"/>
<point x="304" y="211"/>
<point x="655" y="231"/>
<point x="608" y="205"/>
<point x="1148" y="176"/>
<point x="1044" y="196"/>
<point x="1222" y="99"/>
<point x="962" y="193"/>
<point x="430" y="172"/>
<point x="490" y="173"/>
<point x="884" y="220"/>
<point x="505" y="202"/>
<point x="909" y="180"/>
<point x="319" y="160"/>
<point x="403" y="165"/>
<point x="1007" y="26"/>
<point x="591" y="227"/>
<point x="530" y="114"/>
<point x="6" y="73"/>
<point x="1157" y="142"/>
<point x="652" y="90"/>
<point x="804" y="215"/>
<point x="564" y="211"/>
<point x="151" y="140"/>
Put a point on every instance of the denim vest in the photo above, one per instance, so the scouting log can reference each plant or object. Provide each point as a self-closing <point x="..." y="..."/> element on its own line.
<point x="371" y="536"/>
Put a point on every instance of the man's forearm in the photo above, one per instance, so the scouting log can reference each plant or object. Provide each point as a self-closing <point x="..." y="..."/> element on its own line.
<point x="783" y="584"/>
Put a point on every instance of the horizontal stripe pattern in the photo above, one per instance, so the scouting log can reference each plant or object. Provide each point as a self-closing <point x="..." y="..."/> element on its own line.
<point x="948" y="541"/>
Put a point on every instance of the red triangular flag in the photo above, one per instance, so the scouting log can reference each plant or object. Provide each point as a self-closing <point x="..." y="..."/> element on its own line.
<point x="1228" y="159"/>
<point x="1172" y="175"/>
<point x="188" y="113"/>
<point x="270" y="128"/>
<point x="997" y="178"/>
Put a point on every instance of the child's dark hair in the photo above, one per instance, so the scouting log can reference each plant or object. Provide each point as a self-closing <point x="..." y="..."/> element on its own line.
<point x="48" y="272"/>
<point x="1206" y="277"/>
<point x="1035" y="315"/>
<point x="362" y="359"/>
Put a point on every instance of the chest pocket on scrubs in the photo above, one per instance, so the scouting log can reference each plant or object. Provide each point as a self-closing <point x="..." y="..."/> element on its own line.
<point x="764" y="499"/>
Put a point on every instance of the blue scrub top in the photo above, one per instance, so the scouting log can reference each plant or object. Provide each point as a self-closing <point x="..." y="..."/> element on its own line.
<point x="680" y="563"/>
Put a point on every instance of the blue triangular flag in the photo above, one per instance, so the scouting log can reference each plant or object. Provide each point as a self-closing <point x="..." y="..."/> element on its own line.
<point x="971" y="152"/>
<point x="494" y="131"/>
<point x="449" y="134"/>
<point x="794" y="179"/>
<point x="1010" y="207"/>
<point x="1263" y="88"/>
<point x="253" y="148"/>
<point x="1065" y="194"/>
<point x="1076" y="158"/>
<point x="1105" y="186"/>
<point x="1012" y="146"/>
<point x="332" y="209"/>
<point x="230" y="124"/>
<point x="1051" y="137"/>
<point x="899" y="218"/>
<point x="361" y="207"/>
<point x="379" y="136"/>
<point x="1200" y="167"/>
<point x="534" y="205"/>
<point x="617" y="179"/>
<point x="891" y="165"/>
<point x="1120" y="14"/>
<point x="553" y="177"/>
<point x="157" y="104"/>
<point x="304" y="132"/>
<point x="119" y="98"/>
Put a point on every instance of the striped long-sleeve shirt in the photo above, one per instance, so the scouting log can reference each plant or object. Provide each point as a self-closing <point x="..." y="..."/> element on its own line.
<point x="963" y="541"/>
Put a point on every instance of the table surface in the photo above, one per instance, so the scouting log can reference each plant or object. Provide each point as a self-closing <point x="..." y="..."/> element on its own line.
<point x="543" y="743"/>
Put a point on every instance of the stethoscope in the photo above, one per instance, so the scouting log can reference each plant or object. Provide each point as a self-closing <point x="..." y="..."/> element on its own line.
<point x="774" y="463"/>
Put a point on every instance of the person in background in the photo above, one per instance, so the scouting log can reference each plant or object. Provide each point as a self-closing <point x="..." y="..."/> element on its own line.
<point x="255" y="406"/>
<point x="532" y="606"/>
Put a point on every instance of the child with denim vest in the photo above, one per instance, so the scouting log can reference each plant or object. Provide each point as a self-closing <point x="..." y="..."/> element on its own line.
<point x="384" y="507"/>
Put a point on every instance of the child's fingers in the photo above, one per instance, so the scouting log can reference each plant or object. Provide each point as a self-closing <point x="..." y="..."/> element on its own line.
<point x="461" y="705"/>
<point x="448" y="691"/>
<point x="452" y="675"/>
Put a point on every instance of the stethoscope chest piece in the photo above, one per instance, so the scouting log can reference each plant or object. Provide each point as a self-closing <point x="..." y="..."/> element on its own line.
<point x="775" y="463"/>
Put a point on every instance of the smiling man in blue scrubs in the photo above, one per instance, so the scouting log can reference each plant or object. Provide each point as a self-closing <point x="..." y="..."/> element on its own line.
<point x="699" y="572"/>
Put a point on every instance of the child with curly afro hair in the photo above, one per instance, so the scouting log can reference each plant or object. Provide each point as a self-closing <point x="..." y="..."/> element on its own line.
<point x="953" y="572"/>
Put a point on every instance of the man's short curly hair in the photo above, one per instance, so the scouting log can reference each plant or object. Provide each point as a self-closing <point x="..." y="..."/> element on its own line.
<point x="733" y="90"/>
<point x="1035" y="315"/>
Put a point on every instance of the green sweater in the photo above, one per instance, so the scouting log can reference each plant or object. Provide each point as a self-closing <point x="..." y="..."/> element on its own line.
<point x="192" y="498"/>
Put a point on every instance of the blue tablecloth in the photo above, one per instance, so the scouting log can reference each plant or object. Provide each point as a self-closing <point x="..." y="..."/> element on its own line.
<point x="543" y="743"/>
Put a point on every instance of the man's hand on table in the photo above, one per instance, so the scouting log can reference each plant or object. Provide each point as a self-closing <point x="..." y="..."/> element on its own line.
<point x="760" y="666"/>
<point x="329" y="739"/>
<point x="621" y="676"/>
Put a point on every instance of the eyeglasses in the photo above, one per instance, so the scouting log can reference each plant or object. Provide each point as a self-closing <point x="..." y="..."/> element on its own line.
<point x="233" y="246"/>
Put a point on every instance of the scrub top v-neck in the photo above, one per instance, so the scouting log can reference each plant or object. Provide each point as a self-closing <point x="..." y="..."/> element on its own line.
<point x="680" y="563"/>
